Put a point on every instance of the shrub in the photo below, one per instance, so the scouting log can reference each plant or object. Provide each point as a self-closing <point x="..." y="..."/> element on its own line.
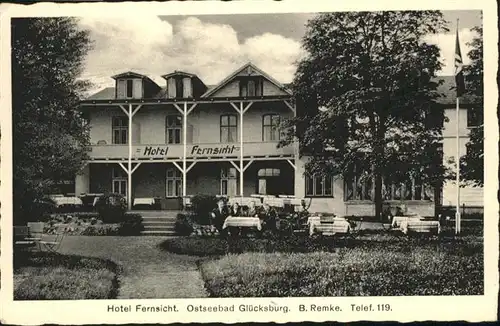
<point x="132" y="225"/>
<point x="202" y="205"/>
<point x="183" y="224"/>
<point x="111" y="208"/>
<point x="99" y="230"/>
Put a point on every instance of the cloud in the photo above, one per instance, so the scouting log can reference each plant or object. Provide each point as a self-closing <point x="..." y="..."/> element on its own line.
<point x="446" y="43"/>
<point x="275" y="53"/>
<point x="152" y="46"/>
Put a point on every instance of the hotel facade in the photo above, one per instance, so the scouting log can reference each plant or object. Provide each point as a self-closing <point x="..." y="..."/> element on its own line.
<point x="185" y="138"/>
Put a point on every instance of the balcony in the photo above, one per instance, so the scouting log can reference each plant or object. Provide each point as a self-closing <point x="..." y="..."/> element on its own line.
<point x="193" y="151"/>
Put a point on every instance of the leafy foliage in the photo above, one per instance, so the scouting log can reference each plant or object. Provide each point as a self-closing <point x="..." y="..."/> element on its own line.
<point x="374" y="76"/>
<point x="472" y="164"/>
<point x="49" y="135"/>
<point x="184" y="224"/>
<point x="202" y="205"/>
<point x="111" y="208"/>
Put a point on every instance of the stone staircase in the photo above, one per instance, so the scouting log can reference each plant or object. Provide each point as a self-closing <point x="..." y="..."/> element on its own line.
<point x="158" y="223"/>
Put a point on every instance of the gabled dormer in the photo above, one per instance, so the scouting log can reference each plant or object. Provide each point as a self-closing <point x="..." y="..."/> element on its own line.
<point x="184" y="85"/>
<point x="248" y="81"/>
<point x="131" y="85"/>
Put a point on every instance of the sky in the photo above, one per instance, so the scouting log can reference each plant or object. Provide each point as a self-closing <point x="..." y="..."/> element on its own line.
<point x="213" y="46"/>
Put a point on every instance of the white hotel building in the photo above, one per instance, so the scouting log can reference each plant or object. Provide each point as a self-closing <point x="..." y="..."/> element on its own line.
<point x="185" y="138"/>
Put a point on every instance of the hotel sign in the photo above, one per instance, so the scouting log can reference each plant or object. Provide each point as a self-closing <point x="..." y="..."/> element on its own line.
<point x="197" y="150"/>
<point x="153" y="151"/>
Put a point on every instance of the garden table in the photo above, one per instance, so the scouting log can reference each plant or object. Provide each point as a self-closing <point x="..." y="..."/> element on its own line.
<point x="59" y="201"/>
<point x="274" y="202"/>
<point x="420" y="226"/>
<point x="339" y="225"/>
<point x="397" y="220"/>
<point x="144" y="201"/>
<point x="240" y="221"/>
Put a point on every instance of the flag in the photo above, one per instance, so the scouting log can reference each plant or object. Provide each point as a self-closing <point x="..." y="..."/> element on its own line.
<point x="459" y="74"/>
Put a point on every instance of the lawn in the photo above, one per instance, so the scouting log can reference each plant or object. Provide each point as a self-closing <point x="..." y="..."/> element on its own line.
<point x="48" y="276"/>
<point x="373" y="265"/>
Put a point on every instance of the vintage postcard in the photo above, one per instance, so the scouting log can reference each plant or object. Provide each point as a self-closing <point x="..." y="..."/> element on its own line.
<point x="249" y="161"/>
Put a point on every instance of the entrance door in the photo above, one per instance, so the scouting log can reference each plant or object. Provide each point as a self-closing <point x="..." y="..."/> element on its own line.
<point x="270" y="182"/>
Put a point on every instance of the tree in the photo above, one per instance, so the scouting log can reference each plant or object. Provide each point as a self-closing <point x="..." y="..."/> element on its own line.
<point x="49" y="136"/>
<point x="472" y="164"/>
<point x="373" y="75"/>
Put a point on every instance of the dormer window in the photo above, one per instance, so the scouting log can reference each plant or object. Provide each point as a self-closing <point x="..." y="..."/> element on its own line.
<point x="179" y="87"/>
<point x="251" y="86"/>
<point x="129" y="88"/>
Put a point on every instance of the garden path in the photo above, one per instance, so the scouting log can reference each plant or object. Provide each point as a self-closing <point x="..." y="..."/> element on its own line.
<point x="148" y="272"/>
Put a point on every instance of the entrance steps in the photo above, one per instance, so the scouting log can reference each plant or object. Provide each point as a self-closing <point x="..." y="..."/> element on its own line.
<point x="161" y="224"/>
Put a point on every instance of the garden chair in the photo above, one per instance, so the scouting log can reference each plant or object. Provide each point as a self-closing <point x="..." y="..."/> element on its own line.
<point x="50" y="240"/>
<point x="21" y="238"/>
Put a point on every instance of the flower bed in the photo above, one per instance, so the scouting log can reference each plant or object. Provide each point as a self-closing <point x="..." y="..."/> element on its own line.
<point x="89" y="224"/>
<point x="47" y="276"/>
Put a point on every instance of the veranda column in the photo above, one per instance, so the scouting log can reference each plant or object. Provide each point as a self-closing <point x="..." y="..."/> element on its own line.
<point x="129" y="172"/>
<point x="184" y="136"/>
<point x="241" y="149"/>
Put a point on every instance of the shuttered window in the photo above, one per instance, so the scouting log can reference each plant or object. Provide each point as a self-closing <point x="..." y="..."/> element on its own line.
<point x="188" y="87"/>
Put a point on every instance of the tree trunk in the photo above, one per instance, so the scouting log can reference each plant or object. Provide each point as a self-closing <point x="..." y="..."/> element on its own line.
<point x="378" y="195"/>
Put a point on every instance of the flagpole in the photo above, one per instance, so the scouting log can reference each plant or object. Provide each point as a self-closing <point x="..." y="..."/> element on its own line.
<point x="457" y="213"/>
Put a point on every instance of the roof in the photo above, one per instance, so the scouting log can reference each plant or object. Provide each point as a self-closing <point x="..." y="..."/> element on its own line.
<point x="177" y="72"/>
<point x="448" y="92"/>
<point x="129" y="74"/>
<point x="446" y="89"/>
<point x="134" y="75"/>
<point x="107" y="93"/>
<point x="226" y="80"/>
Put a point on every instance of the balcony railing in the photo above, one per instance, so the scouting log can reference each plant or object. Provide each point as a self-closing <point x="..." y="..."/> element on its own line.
<point x="193" y="151"/>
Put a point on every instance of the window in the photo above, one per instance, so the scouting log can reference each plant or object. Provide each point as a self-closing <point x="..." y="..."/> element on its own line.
<point x="359" y="188"/>
<point x="474" y="117"/>
<point x="179" y="86"/>
<point x="228" y="128"/>
<point x="120" y="130"/>
<point x="270" y="127"/>
<point x="228" y="181"/>
<point x="250" y="87"/>
<point x="319" y="186"/>
<point x="119" y="181"/>
<point x="173" y="129"/>
<point x="174" y="183"/>
<point x="130" y="88"/>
